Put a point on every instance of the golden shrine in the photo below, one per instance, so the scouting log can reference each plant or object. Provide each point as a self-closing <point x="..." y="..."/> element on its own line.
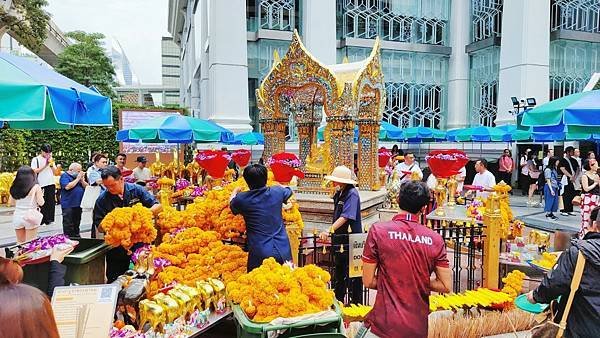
<point x="349" y="94"/>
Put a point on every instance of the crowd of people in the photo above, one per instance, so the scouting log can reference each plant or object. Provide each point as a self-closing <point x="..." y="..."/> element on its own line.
<point x="403" y="282"/>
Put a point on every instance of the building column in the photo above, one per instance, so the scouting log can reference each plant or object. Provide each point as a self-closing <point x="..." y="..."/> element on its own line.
<point x="319" y="29"/>
<point x="524" y="55"/>
<point x="203" y="60"/>
<point x="458" y="70"/>
<point x="228" y="65"/>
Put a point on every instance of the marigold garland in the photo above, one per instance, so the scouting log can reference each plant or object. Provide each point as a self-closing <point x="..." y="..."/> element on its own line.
<point x="195" y="255"/>
<point x="274" y="290"/>
<point x="513" y="283"/>
<point x="127" y="226"/>
<point x="212" y="212"/>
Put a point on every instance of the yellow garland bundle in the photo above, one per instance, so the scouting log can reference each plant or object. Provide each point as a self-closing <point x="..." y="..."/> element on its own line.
<point x="513" y="283"/>
<point x="129" y="225"/>
<point x="481" y="298"/>
<point x="274" y="290"/>
<point x="292" y="215"/>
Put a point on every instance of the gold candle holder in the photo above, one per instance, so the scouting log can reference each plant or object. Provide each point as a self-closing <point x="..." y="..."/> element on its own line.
<point x="441" y="195"/>
<point x="452" y="185"/>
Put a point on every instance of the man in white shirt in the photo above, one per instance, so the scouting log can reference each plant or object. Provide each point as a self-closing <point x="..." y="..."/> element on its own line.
<point x="141" y="173"/>
<point x="549" y="154"/>
<point x="409" y="165"/>
<point x="483" y="178"/>
<point x="43" y="166"/>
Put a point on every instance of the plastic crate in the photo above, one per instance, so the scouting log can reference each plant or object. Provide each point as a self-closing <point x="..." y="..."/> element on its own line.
<point x="85" y="265"/>
<point x="249" y="329"/>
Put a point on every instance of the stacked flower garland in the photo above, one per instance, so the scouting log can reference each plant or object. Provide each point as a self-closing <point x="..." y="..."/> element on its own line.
<point x="208" y="213"/>
<point x="274" y="290"/>
<point x="129" y="225"/>
<point x="513" y="283"/>
<point x="196" y="255"/>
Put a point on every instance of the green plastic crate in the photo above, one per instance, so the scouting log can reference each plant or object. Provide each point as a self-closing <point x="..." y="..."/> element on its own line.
<point x="85" y="265"/>
<point x="249" y="329"/>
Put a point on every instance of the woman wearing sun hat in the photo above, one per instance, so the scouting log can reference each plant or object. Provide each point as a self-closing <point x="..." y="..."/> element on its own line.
<point x="346" y="219"/>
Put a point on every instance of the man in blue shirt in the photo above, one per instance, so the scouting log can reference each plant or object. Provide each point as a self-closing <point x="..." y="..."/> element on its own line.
<point x="346" y="219"/>
<point x="261" y="208"/>
<point x="119" y="194"/>
<point x="72" y="187"/>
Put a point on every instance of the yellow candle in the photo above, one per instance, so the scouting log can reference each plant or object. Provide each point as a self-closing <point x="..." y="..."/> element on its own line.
<point x="157" y="156"/>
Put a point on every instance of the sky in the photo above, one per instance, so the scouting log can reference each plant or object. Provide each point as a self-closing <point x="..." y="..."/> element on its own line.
<point x="138" y="25"/>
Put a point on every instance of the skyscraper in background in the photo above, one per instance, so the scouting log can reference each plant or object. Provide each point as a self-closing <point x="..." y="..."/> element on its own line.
<point x="171" y="68"/>
<point x="124" y="75"/>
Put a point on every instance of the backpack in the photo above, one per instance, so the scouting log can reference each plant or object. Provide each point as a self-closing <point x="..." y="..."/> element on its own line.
<point x="542" y="179"/>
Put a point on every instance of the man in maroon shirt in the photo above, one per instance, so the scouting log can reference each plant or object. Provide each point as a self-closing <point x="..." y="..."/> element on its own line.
<point x="398" y="261"/>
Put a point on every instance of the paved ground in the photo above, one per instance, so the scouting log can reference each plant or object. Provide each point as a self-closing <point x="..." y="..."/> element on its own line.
<point x="533" y="217"/>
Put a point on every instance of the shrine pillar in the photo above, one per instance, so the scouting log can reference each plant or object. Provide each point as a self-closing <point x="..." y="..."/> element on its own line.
<point x="342" y="140"/>
<point x="274" y="132"/>
<point x="368" y="145"/>
<point x="306" y="136"/>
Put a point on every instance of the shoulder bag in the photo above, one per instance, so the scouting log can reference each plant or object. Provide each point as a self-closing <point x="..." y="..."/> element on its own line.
<point x="90" y="195"/>
<point x="547" y="327"/>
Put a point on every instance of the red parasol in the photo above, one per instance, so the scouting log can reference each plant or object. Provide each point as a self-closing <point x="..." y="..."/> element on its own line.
<point x="384" y="156"/>
<point x="241" y="157"/>
<point x="446" y="163"/>
<point x="285" y="167"/>
<point x="214" y="161"/>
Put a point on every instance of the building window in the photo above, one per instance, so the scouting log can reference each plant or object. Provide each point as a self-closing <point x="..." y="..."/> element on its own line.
<point x="417" y="21"/>
<point x="415" y="83"/>
<point x="487" y="19"/>
<point x="571" y="65"/>
<point x="276" y="15"/>
<point x="260" y="61"/>
<point x="483" y="86"/>
<point x="576" y="15"/>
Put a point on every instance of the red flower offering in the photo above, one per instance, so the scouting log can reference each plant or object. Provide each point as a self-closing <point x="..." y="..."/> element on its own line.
<point x="214" y="161"/>
<point x="241" y="157"/>
<point x="446" y="163"/>
<point x="384" y="156"/>
<point x="285" y="167"/>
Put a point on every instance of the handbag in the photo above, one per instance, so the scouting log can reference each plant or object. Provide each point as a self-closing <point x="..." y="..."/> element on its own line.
<point x="577" y="200"/>
<point x="33" y="217"/>
<point x="547" y="327"/>
<point x="90" y="195"/>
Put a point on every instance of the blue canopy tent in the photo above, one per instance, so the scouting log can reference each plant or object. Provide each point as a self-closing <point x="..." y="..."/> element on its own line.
<point x="387" y="132"/>
<point x="175" y="129"/>
<point x="35" y="97"/>
<point x="249" y="138"/>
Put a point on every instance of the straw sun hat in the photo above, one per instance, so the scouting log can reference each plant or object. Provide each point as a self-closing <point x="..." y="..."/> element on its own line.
<point x="341" y="174"/>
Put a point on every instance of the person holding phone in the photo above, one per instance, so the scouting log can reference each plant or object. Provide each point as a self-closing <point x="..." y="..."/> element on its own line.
<point x="43" y="166"/>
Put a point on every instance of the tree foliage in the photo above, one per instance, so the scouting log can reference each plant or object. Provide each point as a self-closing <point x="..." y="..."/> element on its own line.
<point x="85" y="62"/>
<point x="27" y="21"/>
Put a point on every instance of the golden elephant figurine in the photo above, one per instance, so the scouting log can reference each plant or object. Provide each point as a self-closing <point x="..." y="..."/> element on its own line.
<point x="194" y="294"/>
<point x="184" y="300"/>
<point x="171" y="306"/>
<point x="153" y="313"/>
<point x="207" y="292"/>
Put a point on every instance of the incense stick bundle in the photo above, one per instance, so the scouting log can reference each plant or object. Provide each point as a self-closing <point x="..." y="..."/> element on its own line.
<point x="479" y="324"/>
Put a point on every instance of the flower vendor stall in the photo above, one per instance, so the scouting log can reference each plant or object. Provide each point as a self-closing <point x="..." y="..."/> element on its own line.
<point x="191" y="270"/>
